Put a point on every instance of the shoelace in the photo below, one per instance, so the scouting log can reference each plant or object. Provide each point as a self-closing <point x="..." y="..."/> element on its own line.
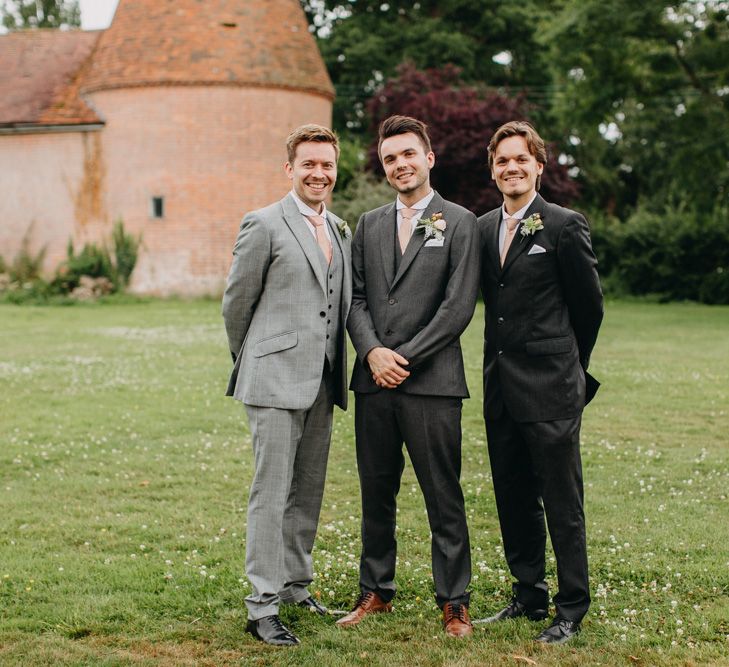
<point x="458" y="611"/>
<point x="280" y="628"/>
<point x="363" y="597"/>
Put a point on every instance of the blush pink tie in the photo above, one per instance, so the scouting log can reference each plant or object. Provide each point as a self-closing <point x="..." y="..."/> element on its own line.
<point x="406" y="227"/>
<point x="511" y="225"/>
<point x="321" y="236"/>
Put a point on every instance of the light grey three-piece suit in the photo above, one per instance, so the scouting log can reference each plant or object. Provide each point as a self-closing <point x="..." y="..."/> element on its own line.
<point x="285" y="312"/>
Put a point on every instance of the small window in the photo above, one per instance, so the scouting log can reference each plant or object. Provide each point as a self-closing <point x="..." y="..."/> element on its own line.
<point x="158" y="207"/>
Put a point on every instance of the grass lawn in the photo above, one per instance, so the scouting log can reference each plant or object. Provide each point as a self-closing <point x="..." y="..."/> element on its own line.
<point x="124" y="473"/>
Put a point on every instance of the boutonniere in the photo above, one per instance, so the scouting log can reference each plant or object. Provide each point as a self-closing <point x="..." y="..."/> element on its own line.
<point x="344" y="231"/>
<point x="433" y="227"/>
<point x="530" y="226"/>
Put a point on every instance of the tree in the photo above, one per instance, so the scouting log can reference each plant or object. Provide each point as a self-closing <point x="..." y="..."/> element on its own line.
<point x="644" y="95"/>
<point x="461" y="120"/>
<point x="492" y="42"/>
<point x="24" y="14"/>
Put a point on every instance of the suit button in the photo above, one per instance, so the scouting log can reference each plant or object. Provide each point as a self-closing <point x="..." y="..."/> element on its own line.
<point x="501" y="285"/>
<point x="388" y="332"/>
<point x="330" y="306"/>
<point x="500" y="352"/>
<point x="500" y="320"/>
<point x="322" y="314"/>
<point x="331" y="291"/>
<point x="331" y="277"/>
<point x="329" y="321"/>
<point x="392" y="302"/>
<point x="327" y="336"/>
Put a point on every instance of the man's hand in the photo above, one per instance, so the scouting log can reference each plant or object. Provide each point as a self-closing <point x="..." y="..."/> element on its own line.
<point x="387" y="367"/>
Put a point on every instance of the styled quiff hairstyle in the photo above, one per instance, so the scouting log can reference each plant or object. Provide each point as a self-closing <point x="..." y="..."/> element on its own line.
<point x="310" y="132"/>
<point x="519" y="128"/>
<point x="394" y="125"/>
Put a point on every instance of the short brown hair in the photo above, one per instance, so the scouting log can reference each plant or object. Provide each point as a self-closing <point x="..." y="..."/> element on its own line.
<point x="394" y="125"/>
<point x="310" y="132"/>
<point x="519" y="128"/>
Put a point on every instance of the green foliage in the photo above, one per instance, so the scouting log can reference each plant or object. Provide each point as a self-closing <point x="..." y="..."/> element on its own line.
<point x="352" y="153"/>
<point x="93" y="261"/>
<point x="364" y="41"/>
<point x="24" y="14"/>
<point x="363" y="193"/>
<point x="126" y="252"/>
<point x="677" y="254"/>
<point x="3" y="265"/>
<point x="27" y="265"/>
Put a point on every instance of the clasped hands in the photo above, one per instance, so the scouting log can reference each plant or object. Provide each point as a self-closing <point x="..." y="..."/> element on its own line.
<point x="387" y="367"/>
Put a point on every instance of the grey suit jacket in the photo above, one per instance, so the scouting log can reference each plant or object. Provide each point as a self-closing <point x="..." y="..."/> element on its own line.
<point x="421" y="309"/>
<point x="275" y="307"/>
<point x="543" y="313"/>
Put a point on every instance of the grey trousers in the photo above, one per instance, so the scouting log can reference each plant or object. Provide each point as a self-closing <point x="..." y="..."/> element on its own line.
<point x="291" y="448"/>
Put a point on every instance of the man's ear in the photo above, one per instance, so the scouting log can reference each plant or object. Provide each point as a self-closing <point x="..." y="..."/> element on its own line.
<point x="289" y="170"/>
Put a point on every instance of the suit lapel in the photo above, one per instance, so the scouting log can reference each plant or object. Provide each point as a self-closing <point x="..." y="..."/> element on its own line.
<point x="417" y="240"/>
<point x="295" y="222"/>
<point x="388" y="225"/>
<point x="521" y="243"/>
<point x="491" y="236"/>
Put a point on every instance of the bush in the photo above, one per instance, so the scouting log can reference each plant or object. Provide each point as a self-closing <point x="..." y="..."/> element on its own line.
<point x="363" y="193"/>
<point x="676" y="254"/>
<point x="126" y="252"/>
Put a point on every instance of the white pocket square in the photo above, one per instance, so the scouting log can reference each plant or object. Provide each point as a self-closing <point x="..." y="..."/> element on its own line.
<point x="434" y="243"/>
<point x="536" y="250"/>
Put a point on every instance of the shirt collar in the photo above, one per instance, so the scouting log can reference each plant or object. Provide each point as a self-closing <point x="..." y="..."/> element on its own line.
<point x="520" y="213"/>
<point x="419" y="205"/>
<point x="305" y="209"/>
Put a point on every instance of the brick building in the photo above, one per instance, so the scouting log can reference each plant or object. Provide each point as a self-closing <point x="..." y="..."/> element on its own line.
<point x="173" y="120"/>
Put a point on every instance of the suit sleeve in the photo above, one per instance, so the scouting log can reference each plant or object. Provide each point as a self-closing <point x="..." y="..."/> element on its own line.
<point x="251" y="258"/>
<point x="359" y="323"/>
<point x="456" y="310"/>
<point x="580" y="284"/>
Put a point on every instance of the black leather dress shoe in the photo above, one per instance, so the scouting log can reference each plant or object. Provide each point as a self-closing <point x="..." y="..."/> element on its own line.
<point x="314" y="606"/>
<point x="516" y="609"/>
<point x="271" y="630"/>
<point x="559" y="632"/>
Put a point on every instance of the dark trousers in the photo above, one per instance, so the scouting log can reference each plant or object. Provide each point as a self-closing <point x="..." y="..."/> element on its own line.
<point x="537" y="471"/>
<point x="430" y="427"/>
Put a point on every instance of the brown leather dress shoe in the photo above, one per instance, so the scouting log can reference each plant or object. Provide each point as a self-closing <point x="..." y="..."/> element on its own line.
<point x="367" y="603"/>
<point x="456" y="621"/>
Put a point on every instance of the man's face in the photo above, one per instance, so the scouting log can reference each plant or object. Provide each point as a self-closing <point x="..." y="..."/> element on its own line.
<point x="514" y="168"/>
<point x="313" y="172"/>
<point x="407" y="165"/>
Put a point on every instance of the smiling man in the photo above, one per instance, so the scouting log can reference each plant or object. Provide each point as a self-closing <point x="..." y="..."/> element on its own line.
<point x="543" y="312"/>
<point x="415" y="282"/>
<point x="285" y="309"/>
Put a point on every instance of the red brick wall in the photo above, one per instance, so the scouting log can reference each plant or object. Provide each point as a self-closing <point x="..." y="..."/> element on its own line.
<point x="212" y="152"/>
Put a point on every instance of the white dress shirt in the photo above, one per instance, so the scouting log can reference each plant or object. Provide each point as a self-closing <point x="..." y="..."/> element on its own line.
<point x="305" y="210"/>
<point x="420" y="206"/>
<point x="518" y="215"/>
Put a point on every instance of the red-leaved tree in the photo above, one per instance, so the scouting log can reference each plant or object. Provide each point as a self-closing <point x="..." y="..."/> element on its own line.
<point x="461" y="120"/>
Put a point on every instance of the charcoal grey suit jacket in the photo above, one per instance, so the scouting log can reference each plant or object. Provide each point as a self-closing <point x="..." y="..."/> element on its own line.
<point x="543" y="313"/>
<point x="275" y="307"/>
<point x="420" y="309"/>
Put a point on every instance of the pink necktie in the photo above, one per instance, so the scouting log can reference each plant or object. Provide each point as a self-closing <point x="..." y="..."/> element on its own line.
<point x="321" y="236"/>
<point x="406" y="227"/>
<point x="511" y="225"/>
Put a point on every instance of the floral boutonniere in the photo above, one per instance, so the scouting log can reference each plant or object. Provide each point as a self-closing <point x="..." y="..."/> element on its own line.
<point x="433" y="227"/>
<point x="531" y="225"/>
<point x="344" y="231"/>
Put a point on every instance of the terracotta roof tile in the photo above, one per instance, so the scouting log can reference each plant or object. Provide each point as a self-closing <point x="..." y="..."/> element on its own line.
<point x="224" y="42"/>
<point x="39" y="77"/>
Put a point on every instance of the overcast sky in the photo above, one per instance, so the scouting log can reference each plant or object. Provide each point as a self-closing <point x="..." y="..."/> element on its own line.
<point x="97" y="13"/>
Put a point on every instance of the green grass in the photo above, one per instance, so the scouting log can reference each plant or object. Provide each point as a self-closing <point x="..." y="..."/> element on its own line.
<point x="124" y="474"/>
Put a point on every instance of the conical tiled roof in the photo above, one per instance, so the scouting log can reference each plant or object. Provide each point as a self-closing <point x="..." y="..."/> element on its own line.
<point x="223" y="42"/>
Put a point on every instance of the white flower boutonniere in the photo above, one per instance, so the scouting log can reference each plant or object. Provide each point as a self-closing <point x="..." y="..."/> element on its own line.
<point x="433" y="227"/>
<point x="344" y="230"/>
<point x="531" y="225"/>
